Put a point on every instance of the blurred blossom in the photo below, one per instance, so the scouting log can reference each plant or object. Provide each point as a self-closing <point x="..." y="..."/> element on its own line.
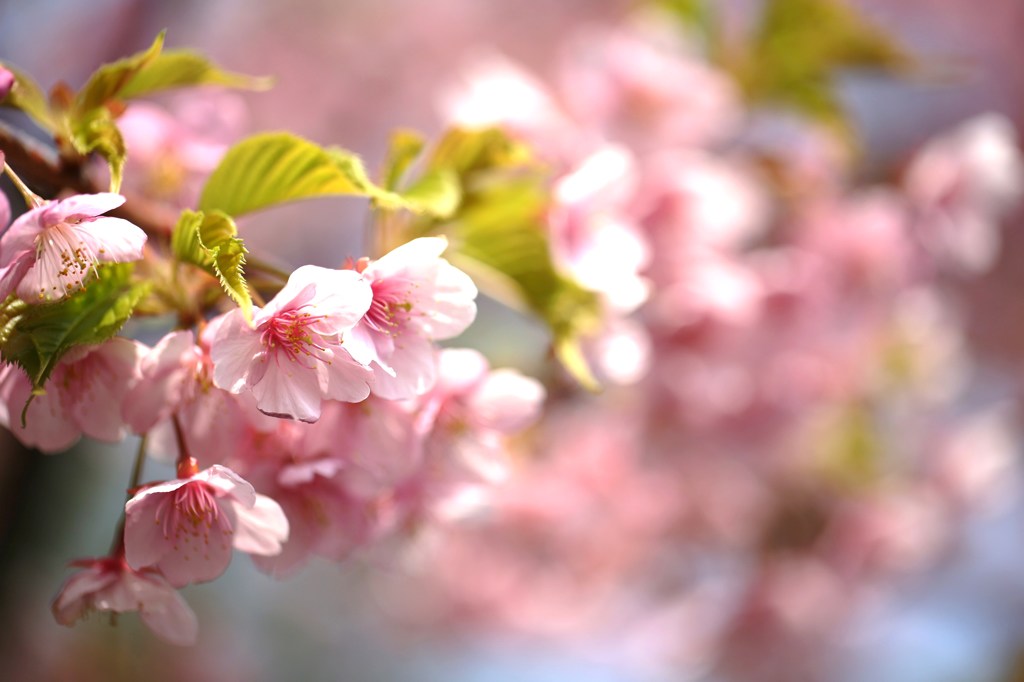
<point x="963" y="183"/>
<point x="175" y="147"/>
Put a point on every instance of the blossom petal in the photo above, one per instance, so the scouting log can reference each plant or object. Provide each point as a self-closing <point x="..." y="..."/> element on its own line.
<point x="288" y="389"/>
<point x="165" y="370"/>
<point x="83" y="205"/>
<point x="414" y="363"/>
<point x="166" y="613"/>
<point x="262" y="528"/>
<point x="347" y="379"/>
<point x="233" y="349"/>
<point x="113" y="240"/>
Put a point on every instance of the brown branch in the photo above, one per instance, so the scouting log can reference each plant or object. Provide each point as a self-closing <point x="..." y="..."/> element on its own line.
<point x="49" y="173"/>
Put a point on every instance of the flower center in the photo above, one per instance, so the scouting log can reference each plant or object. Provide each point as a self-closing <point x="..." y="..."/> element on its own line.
<point x="390" y="308"/>
<point x="191" y="509"/>
<point x="291" y="332"/>
<point x="65" y="258"/>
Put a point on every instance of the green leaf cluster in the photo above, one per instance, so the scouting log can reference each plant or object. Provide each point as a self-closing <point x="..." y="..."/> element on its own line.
<point x="794" y="52"/>
<point x="86" y="122"/>
<point x="800" y="46"/>
<point x="36" y="337"/>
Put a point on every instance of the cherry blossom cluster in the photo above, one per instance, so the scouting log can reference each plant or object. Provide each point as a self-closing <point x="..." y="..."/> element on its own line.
<point x="324" y="423"/>
<point x="791" y="431"/>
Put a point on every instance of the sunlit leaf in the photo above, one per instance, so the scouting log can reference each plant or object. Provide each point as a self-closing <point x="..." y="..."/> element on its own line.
<point x="185" y="240"/>
<point x="405" y="146"/>
<point x="110" y="79"/>
<point x="210" y="241"/>
<point x="184" y="68"/>
<point x="798" y="49"/>
<point x="275" y="168"/>
<point x="97" y="132"/>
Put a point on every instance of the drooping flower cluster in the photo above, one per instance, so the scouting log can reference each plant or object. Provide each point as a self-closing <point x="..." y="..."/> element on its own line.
<point x="273" y="398"/>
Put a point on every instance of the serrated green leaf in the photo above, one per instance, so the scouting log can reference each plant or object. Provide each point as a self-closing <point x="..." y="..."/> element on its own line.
<point x="27" y="96"/>
<point x="183" y="68"/>
<point x="97" y="132"/>
<point x="210" y="241"/>
<point x="107" y="82"/>
<point x="275" y="168"/>
<point x="185" y="243"/>
<point x="43" y="334"/>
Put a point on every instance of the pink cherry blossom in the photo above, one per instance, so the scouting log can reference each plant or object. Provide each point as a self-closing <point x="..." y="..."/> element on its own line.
<point x="324" y="518"/>
<point x="6" y="83"/>
<point x="49" y="251"/>
<point x="173" y="149"/>
<point x="187" y="527"/>
<point x="80" y="397"/>
<point x="5" y="205"/>
<point x="109" y="584"/>
<point x="464" y="422"/>
<point x="963" y="183"/>
<point x="292" y="359"/>
<point x="418" y="297"/>
<point x="176" y="379"/>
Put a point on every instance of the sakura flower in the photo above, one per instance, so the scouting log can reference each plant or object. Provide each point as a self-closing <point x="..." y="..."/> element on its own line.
<point x="173" y="149"/>
<point x="465" y="420"/>
<point x="292" y="357"/>
<point x="187" y="527"/>
<point x="175" y="378"/>
<point x="81" y="397"/>
<point x="963" y="183"/>
<point x="109" y="584"/>
<point x="324" y="519"/>
<point x="6" y="83"/>
<point x="49" y="251"/>
<point x="5" y="205"/>
<point x="418" y="297"/>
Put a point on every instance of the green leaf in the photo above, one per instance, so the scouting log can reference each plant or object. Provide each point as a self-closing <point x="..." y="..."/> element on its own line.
<point x="850" y="450"/>
<point x="185" y="240"/>
<point x="436" y="192"/>
<point x="97" y="132"/>
<point x="469" y="151"/>
<point x="275" y="168"/>
<point x="110" y="79"/>
<point x="503" y="230"/>
<point x="218" y="234"/>
<point x="696" y="15"/>
<point x="43" y="334"/>
<point x="405" y="146"/>
<point x="183" y="68"/>
<point x="210" y="241"/>
<point x="798" y="48"/>
<point x="27" y="96"/>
